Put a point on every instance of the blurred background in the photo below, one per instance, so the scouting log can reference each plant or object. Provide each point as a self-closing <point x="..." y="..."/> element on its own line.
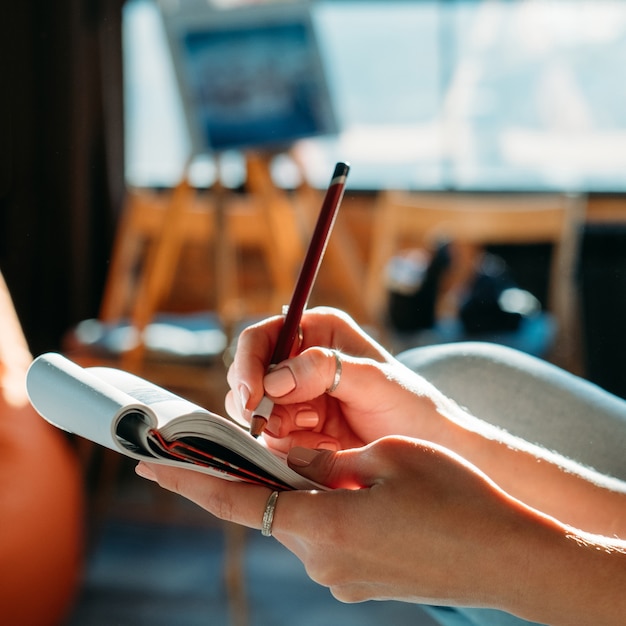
<point x="428" y="95"/>
<point x="130" y="189"/>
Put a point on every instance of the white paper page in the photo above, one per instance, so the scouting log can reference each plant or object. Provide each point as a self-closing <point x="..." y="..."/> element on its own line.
<point x="165" y="404"/>
<point x="73" y="399"/>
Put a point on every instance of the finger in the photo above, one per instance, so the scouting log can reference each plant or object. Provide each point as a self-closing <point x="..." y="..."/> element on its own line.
<point x="304" y="439"/>
<point x="244" y="504"/>
<point x="230" y="501"/>
<point x="333" y="328"/>
<point x="255" y="346"/>
<point x="234" y="408"/>
<point x="297" y="416"/>
<point x="302" y="378"/>
<point x="312" y="373"/>
<point x="322" y="326"/>
<point x="348" y="469"/>
<point x="283" y="419"/>
<point x="254" y="349"/>
<point x="233" y="404"/>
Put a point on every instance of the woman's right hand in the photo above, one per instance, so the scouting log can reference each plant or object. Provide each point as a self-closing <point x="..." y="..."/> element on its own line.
<point x="376" y="396"/>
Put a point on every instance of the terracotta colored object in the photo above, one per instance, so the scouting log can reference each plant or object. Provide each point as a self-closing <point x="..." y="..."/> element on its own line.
<point x="41" y="508"/>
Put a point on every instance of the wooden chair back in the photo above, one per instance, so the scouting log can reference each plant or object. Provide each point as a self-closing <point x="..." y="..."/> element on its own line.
<point x="473" y="221"/>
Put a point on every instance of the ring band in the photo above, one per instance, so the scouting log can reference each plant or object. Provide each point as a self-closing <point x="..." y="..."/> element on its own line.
<point x="268" y="514"/>
<point x="338" y="372"/>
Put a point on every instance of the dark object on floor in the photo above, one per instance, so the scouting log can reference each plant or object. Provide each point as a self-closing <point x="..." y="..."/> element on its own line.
<point x="495" y="303"/>
<point x="413" y="298"/>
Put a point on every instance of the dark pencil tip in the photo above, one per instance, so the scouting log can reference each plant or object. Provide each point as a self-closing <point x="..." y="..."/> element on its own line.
<point x="257" y="425"/>
<point x="341" y="169"/>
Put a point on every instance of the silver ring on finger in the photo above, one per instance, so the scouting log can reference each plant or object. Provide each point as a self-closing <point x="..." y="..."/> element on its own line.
<point x="268" y="514"/>
<point x="338" y="372"/>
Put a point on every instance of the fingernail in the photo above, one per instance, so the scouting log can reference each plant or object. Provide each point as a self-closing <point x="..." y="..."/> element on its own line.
<point x="141" y="469"/>
<point x="279" y="382"/>
<point x="301" y="457"/>
<point x="307" y="418"/>
<point x="244" y="396"/>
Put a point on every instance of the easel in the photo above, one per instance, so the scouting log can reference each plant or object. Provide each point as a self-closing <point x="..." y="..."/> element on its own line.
<point x="265" y="216"/>
<point x="154" y="229"/>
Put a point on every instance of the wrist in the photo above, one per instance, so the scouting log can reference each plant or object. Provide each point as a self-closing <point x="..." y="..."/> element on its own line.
<point x="456" y="430"/>
<point x="560" y="575"/>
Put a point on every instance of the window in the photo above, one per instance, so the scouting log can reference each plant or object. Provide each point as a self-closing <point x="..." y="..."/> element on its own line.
<point x="468" y="95"/>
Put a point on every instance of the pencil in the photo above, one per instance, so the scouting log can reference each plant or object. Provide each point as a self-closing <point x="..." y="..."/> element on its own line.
<point x="304" y="285"/>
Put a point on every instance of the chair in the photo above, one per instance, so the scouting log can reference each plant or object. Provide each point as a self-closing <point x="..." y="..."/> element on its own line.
<point x="472" y="222"/>
<point x="175" y="349"/>
<point x="182" y="351"/>
<point x="137" y="331"/>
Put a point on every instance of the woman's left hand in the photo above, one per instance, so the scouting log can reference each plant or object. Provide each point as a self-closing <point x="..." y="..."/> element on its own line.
<point x="409" y="520"/>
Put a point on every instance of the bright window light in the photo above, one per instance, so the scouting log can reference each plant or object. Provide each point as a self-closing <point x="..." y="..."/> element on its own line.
<point x="471" y="95"/>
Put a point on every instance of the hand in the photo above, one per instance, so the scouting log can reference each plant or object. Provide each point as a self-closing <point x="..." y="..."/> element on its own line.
<point x="377" y="396"/>
<point x="415" y="523"/>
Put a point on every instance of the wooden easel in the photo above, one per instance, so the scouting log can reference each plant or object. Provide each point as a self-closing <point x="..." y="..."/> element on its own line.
<point x="277" y="222"/>
<point x="154" y="228"/>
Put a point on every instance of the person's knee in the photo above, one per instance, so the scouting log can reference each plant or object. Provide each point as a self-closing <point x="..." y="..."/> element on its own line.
<point x="466" y="357"/>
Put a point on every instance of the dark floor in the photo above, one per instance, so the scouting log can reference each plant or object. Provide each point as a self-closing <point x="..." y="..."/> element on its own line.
<point x="160" y="561"/>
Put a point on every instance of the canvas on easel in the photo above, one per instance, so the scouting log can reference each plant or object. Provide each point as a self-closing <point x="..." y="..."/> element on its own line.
<point x="250" y="77"/>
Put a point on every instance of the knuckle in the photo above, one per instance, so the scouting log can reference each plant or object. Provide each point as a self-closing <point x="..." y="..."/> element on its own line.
<point x="323" y="573"/>
<point x="348" y="594"/>
<point x="220" y="506"/>
<point x="321" y="364"/>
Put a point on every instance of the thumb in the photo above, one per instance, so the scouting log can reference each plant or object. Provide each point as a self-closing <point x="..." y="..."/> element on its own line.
<point x="347" y="469"/>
